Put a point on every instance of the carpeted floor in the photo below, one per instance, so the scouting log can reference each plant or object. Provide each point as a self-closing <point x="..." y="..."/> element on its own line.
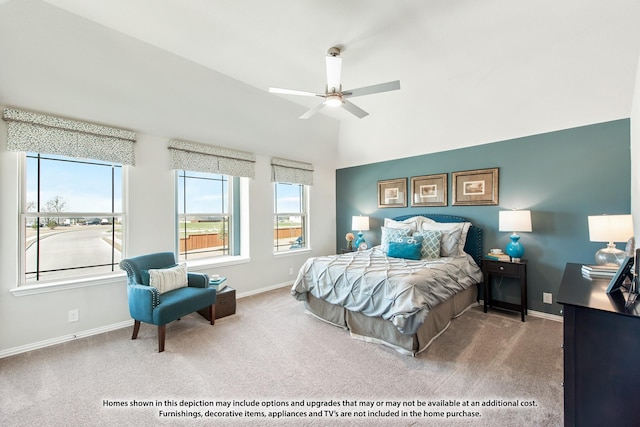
<point x="272" y="364"/>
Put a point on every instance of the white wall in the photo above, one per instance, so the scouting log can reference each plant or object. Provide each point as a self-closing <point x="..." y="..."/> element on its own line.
<point x="35" y="320"/>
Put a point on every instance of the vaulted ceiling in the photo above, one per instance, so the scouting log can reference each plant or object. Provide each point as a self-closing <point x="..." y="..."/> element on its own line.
<point x="471" y="72"/>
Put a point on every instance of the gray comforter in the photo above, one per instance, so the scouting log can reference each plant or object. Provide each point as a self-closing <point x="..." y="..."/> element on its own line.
<point x="399" y="290"/>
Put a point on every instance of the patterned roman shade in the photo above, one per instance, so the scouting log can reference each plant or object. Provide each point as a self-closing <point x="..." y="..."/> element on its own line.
<point x="291" y="171"/>
<point x="40" y="133"/>
<point x="197" y="157"/>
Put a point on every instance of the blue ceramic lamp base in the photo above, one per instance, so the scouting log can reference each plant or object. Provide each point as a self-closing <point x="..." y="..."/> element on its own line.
<point x="514" y="248"/>
<point x="359" y="241"/>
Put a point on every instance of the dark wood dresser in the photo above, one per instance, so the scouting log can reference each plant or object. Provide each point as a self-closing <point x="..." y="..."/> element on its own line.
<point x="601" y="353"/>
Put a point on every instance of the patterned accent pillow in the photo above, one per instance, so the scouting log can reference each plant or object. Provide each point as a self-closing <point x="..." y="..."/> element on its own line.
<point x="454" y="236"/>
<point x="389" y="234"/>
<point x="430" y="244"/>
<point x="406" y="247"/>
<point x="168" y="279"/>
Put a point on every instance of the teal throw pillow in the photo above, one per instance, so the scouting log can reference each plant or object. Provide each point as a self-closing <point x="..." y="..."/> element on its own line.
<point x="406" y="247"/>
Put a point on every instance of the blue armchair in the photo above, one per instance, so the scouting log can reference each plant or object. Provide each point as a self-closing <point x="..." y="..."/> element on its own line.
<point x="147" y="304"/>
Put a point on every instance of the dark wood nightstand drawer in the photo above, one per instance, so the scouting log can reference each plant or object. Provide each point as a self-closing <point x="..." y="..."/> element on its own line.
<point x="503" y="268"/>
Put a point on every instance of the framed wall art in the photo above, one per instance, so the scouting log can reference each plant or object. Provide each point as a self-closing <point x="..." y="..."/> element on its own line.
<point x="429" y="190"/>
<point x="392" y="193"/>
<point x="475" y="187"/>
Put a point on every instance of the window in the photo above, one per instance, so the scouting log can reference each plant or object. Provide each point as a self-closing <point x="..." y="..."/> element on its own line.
<point x="290" y="219"/>
<point x="72" y="218"/>
<point x="205" y="226"/>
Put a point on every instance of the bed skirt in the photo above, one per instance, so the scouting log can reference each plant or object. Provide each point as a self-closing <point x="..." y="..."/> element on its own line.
<point x="380" y="331"/>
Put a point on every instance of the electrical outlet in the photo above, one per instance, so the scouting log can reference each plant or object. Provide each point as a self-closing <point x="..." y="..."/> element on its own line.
<point x="547" y="298"/>
<point x="291" y="270"/>
<point x="73" y="315"/>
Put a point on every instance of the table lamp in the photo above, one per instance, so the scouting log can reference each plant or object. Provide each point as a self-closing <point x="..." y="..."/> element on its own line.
<point x="360" y="223"/>
<point x="514" y="221"/>
<point x="610" y="229"/>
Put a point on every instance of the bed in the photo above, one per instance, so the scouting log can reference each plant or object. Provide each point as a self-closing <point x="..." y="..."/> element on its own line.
<point x="404" y="292"/>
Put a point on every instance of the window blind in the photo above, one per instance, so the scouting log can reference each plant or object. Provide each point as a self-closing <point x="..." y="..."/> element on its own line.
<point x="41" y="133"/>
<point x="197" y="157"/>
<point x="291" y="171"/>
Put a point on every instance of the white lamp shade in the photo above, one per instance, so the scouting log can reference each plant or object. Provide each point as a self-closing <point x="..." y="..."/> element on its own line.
<point x="610" y="228"/>
<point x="360" y="223"/>
<point x="514" y="221"/>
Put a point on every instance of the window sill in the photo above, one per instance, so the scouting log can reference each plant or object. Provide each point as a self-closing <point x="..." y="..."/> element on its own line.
<point x="116" y="278"/>
<point x="292" y="252"/>
<point x="204" y="264"/>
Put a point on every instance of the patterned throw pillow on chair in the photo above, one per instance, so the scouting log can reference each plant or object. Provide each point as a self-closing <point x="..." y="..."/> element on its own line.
<point x="168" y="279"/>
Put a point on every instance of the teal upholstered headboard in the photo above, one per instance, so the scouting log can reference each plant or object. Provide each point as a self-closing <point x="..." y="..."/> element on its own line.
<point x="474" y="245"/>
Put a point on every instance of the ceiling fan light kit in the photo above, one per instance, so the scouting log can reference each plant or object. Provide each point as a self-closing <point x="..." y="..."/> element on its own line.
<point x="334" y="96"/>
<point x="333" y="100"/>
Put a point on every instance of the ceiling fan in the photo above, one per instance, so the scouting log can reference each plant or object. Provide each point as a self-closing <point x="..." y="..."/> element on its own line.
<point x="334" y="96"/>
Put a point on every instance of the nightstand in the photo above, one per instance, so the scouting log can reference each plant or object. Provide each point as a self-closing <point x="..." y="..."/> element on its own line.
<point x="514" y="270"/>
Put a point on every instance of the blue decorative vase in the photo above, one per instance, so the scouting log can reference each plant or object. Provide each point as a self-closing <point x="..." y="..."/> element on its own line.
<point x="514" y="248"/>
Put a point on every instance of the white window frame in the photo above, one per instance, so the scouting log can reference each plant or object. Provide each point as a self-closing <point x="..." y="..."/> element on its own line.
<point x="305" y="220"/>
<point x="73" y="281"/>
<point x="230" y="217"/>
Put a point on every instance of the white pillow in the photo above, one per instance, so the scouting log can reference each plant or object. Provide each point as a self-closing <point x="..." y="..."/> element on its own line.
<point x="454" y="236"/>
<point x="412" y="223"/>
<point x="168" y="279"/>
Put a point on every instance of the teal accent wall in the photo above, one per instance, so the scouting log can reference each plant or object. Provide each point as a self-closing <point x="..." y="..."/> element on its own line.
<point x="562" y="177"/>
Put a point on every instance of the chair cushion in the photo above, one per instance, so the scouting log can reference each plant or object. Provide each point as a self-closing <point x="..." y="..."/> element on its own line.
<point x="182" y="301"/>
<point x="168" y="279"/>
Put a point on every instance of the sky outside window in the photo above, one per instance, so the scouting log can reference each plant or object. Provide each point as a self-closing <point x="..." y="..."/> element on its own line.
<point x="83" y="186"/>
<point x="289" y="198"/>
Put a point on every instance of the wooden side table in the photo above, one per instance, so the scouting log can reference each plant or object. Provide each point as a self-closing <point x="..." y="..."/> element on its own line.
<point x="225" y="304"/>
<point x="514" y="270"/>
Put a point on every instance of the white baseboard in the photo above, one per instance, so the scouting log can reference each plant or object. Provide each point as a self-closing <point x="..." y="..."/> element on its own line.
<point x="541" y="314"/>
<point x="65" y="338"/>
<point x="554" y="317"/>
<point x="128" y="323"/>
<point x="267" y="289"/>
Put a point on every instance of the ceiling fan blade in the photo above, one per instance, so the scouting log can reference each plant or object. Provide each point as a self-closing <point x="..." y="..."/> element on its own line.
<point x="292" y="92"/>
<point x="368" y="90"/>
<point x="312" y="111"/>
<point x="354" y="109"/>
<point x="334" y="70"/>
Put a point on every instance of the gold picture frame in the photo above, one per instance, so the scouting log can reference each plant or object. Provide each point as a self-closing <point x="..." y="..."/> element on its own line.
<point x="429" y="190"/>
<point x="475" y="187"/>
<point x="392" y="193"/>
